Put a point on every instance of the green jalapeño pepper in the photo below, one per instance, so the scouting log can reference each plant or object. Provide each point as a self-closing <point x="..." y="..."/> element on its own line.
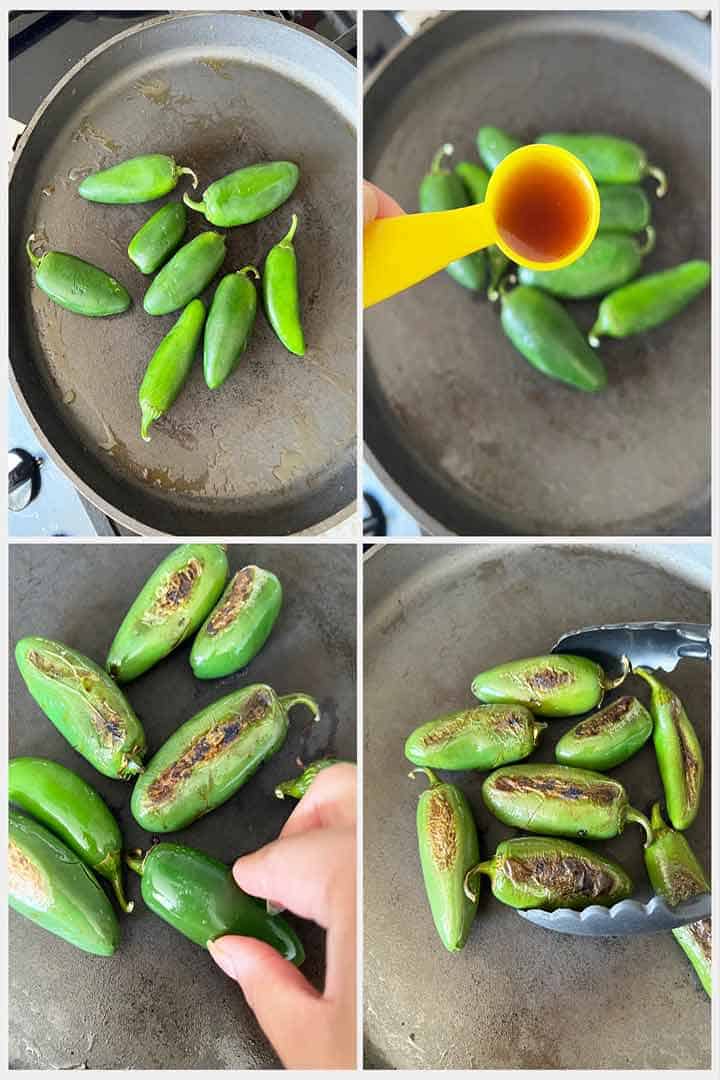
<point x="240" y="624"/>
<point x="189" y="271"/>
<point x="560" y="801"/>
<point x="298" y="786"/>
<point x="624" y="208"/>
<point x="247" y="194"/>
<point x="538" y="872"/>
<point x="555" y="685"/>
<point x="169" y="366"/>
<point x="76" y="285"/>
<point x="281" y="292"/>
<point x="547" y="336"/>
<point x="649" y="301"/>
<point x="493" y="145"/>
<point x="137" y="180"/>
<point x="448" y="844"/>
<point x="198" y="896"/>
<point x="169" y="608"/>
<point x="611" y="260"/>
<point x="678" y="752"/>
<point x="48" y="884"/>
<point x="444" y="190"/>
<point x="212" y="755"/>
<point x="479" y="738"/>
<point x="229" y="325"/>
<point x="609" y="159"/>
<point x="84" y="704"/>
<point x="156" y="240"/>
<point x="74" y="811"/>
<point x="676" y="875"/>
<point x="608" y="737"/>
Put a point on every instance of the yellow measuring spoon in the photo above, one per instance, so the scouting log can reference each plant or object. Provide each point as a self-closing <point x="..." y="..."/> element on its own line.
<point x="541" y="208"/>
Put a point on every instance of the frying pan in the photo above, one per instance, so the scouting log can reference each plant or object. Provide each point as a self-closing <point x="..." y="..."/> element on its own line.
<point x="272" y="452"/>
<point x="517" y="996"/>
<point x="466" y="434"/>
<point x="160" y="1002"/>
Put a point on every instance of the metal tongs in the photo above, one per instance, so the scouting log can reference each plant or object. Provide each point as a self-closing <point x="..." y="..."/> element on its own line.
<point x="655" y="645"/>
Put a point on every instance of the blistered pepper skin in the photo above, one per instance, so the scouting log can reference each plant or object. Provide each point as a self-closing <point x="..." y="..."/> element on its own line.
<point x="299" y="785"/>
<point x="448" y="843"/>
<point x="73" y="811"/>
<point x="480" y="738"/>
<point x="558" y="684"/>
<point x="84" y="704"/>
<point x="676" y="875"/>
<point x="198" y="896"/>
<point x="240" y="624"/>
<point x="608" y="737"/>
<point x="556" y="800"/>
<point x="539" y="872"/>
<point x="51" y="886"/>
<point x="211" y="756"/>
<point x="171" y="605"/>
<point x="678" y="752"/>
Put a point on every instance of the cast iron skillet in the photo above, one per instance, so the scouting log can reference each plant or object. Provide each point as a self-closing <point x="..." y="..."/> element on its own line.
<point x="469" y="437"/>
<point x="160" y="1002"/>
<point x="272" y="452"/>
<point x="517" y="996"/>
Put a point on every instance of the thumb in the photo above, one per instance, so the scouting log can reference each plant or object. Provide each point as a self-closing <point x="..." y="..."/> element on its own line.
<point x="284" y="1002"/>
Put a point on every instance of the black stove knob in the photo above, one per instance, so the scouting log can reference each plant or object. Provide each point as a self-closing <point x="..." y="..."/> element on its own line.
<point x="23" y="478"/>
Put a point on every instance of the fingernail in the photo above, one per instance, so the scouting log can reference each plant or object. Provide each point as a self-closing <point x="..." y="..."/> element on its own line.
<point x="222" y="957"/>
<point x="370" y="204"/>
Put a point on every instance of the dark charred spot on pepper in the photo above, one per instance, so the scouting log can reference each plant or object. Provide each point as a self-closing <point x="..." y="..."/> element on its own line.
<point x="240" y="589"/>
<point x="208" y="747"/>
<point x="702" y="934"/>
<point x="503" y="723"/>
<point x="441" y="830"/>
<point x="604" y="719"/>
<point x="555" y="787"/>
<point x="54" y="667"/>
<point x="25" y="879"/>
<point x="174" y="592"/>
<point x="545" y="680"/>
<point x="690" y="765"/>
<point x="681" y="884"/>
<point x="561" y="874"/>
<point x="108" y="724"/>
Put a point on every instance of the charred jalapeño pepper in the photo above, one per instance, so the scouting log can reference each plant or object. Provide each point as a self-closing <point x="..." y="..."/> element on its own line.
<point x="299" y="785"/>
<point x="479" y="738"/>
<point x="212" y="755"/>
<point x="84" y="704"/>
<point x="239" y="625"/>
<point x="608" y="737"/>
<point x="555" y="685"/>
<point x="448" y="844"/>
<point x="169" y="608"/>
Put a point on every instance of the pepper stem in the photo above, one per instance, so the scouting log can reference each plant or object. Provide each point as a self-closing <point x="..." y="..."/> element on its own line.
<point x="289" y="700"/>
<point x="194" y="205"/>
<point x="149" y="416"/>
<point x="659" y="175"/>
<point x="183" y="170"/>
<point x="249" y="270"/>
<point x="288" y="237"/>
<point x="445" y="151"/>
<point x="116" y="881"/>
<point x="538" y="726"/>
<point x="657" y="822"/>
<point x="649" y="243"/>
<point x="34" y="259"/>
<point x="428" y="772"/>
<point x="640" y="819"/>
<point x="502" y="286"/>
<point x="136" y="860"/>
<point x="473" y="872"/>
<point x="611" y="684"/>
<point x="593" y="338"/>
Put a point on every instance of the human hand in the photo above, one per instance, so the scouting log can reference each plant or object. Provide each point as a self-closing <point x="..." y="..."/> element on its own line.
<point x="376" y="204"/>
<point x="310" y="870"/>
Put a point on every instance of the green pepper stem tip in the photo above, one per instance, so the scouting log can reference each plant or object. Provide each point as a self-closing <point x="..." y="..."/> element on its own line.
<point x="34" y="259"/>
<point x="279" y="793"/>
<point x="135" y="860"/>
<point x="612" y="684"/>
<point x="649" y="242"/>
<point x="290" y="700"/>
<point x="593" y="338"/>
<point x="446" y="150"/>
<point x="125" y="905"/>
<point x="657" y="821"/>
<point x="200" y="206"/>
<point x="640" y="819"/>
<point x="660" y="176"/>
<point x="288" y="237"/>
<point x="428" y="772"/>
<point x="249" y="270"/>
<point x="473" y="872"/>
<point x="149" y="416"/>
<point x="183" y="170"/>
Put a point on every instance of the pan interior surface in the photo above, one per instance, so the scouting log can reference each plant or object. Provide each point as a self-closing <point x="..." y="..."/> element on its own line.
<point x="516" y="996"/>
<point x="471" y="437"/>
<point x="271" y="451"/>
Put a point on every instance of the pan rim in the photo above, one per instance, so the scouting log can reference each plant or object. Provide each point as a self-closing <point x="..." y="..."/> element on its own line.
<point x="115" y="514"/>
<point x="698" y="69"/>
